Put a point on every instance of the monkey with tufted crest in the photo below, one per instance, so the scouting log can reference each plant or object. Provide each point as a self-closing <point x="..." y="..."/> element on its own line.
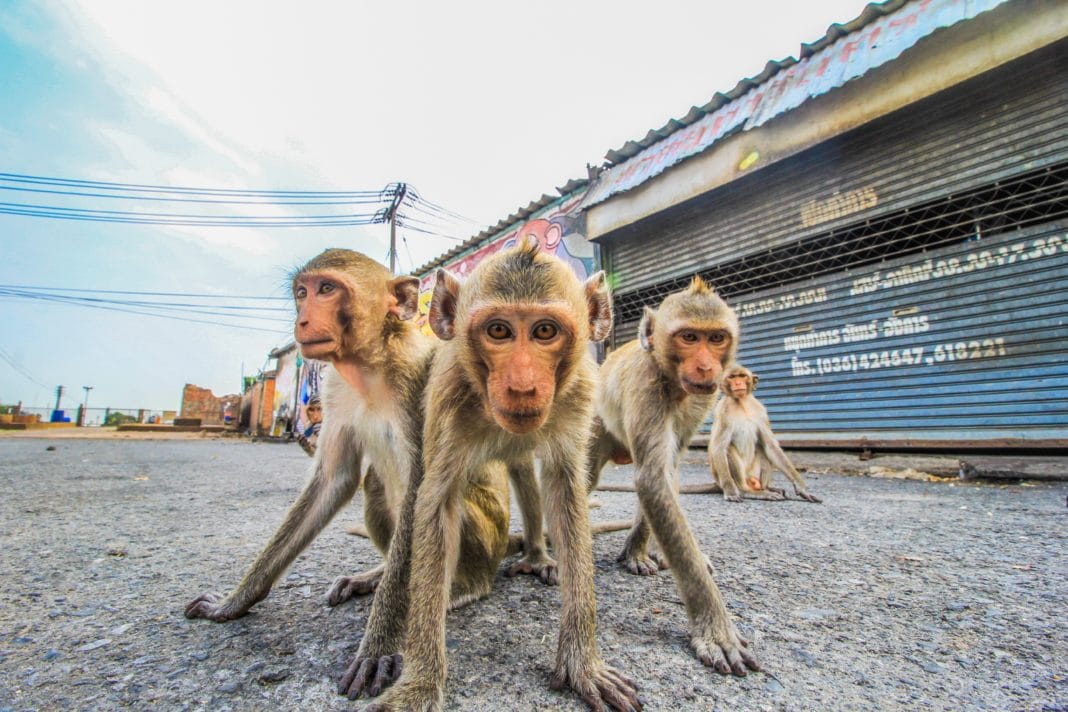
<point x="653" y="394"/>
<point x="513" y="378"/>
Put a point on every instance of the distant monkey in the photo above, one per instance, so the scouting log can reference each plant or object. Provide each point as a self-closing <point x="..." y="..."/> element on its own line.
<point x="513" y="378"/>
<point x="353" y="313"/>
<point x="653" y="394"/>
<point x="742" y="451"/>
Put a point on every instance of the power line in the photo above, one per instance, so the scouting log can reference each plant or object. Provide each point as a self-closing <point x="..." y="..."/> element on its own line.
<point x="187" y="295"/>
<point x="191" y="308"/>
<point x="19" y="369"/>
<point x="385" y="193"/>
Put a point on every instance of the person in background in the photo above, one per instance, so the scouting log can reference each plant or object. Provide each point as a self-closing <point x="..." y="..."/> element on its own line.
<point x="313" y="416"/>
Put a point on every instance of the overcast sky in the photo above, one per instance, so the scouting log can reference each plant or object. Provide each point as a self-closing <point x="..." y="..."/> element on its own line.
<point x="482" y="106"/>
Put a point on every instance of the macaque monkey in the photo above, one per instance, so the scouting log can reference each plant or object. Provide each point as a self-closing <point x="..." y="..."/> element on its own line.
<point x="513" y="378"/>
<point x="353" y="313"/>
<point x="742" y="451"/>
<point x="653" y="394"/>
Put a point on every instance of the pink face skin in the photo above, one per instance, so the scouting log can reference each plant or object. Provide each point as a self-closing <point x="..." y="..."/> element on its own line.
<point x="701" y="353"/>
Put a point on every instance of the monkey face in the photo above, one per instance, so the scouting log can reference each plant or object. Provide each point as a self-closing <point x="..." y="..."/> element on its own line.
<point x="738" y="382"/>
<point x="700" y="354"/>
<point x="321" y="299"/>
<point x="520" y="348"/>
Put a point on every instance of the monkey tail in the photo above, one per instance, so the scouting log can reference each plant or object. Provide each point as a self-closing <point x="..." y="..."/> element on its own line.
<point x="358" y="530"/>
<point x="515" y="541"/>
<point x="685" y="489"/>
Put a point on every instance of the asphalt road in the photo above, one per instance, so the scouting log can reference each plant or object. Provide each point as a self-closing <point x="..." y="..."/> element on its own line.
<point x="893" y="594"/>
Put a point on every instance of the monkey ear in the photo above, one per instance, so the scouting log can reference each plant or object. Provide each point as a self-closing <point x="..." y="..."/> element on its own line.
<point x="405" y="292"/>
<point x="599" y="303"/>
<point x="645" y="329"/>
<point x="442" y="316"/>
<point x="756" y="380"/>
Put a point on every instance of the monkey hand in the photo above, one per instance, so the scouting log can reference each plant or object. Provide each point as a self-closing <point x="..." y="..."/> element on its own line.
<point x="642" y="564"/>
<point x="802" y="494"/>
<point x="215" y="607"/>
<point x="346" y="587"/>
<point x="599" y="685"/>
<point x="409" y="697"/>
<point x="724" y="650"/>
<point x="541" y="566"/>
<point x="369" y="673"/>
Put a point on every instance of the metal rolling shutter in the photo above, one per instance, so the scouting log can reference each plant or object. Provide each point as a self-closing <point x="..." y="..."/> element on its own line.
<point x="967" y="343"/>
<point x="1008" y="121"/>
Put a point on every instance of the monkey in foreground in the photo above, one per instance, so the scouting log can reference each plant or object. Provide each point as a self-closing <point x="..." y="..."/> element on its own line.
<point x="653" y="394"/>
<point x="353" y="313"/>
<point x="742" y="451"/>
<point x="514" y="377"/>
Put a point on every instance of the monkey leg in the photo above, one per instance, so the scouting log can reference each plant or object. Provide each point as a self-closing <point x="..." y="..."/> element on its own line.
<point x="536" y="560"/>
<point x="331" y="486"/>
<point x="438" y="512"/>
<point x="378" y="518"/>
<point x="775" y="456"/>
<point x="713" y="636"/>
<point x="578" y="660"/>
<point x="636" y="556"/>
<point x="379" y="662"/>
<point x="483" y="538"/>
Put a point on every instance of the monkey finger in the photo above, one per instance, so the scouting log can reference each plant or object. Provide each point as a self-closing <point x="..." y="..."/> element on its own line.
<point x="750" y="660"/>
<point x="387" y="673"/>
<point x="736" y="663"/>
<point x="711" y="656"/>
<point x="619" y="691"/>
<point x="809" y="497"/>
<point x="356" y="677"/>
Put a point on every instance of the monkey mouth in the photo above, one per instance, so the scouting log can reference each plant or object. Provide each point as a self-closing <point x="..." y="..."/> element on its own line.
<point x="698" y="389"/>
<point x="519" y="421"/>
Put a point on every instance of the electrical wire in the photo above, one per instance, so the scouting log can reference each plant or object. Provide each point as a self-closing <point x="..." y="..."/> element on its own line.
<point x="19" y="369"/>
<point x="187" y="295"/>
<point x="385" y="193"/>
<point x="169" y="306"/>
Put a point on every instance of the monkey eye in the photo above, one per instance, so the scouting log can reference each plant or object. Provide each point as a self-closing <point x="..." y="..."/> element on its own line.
<point x="688" y="336"/>
<point x="717" y="337"/>
<point x="326" y="288"/>
<point x="300" y="292"/>
<point x="545" y="331"/>
<point x="498" y="331"/>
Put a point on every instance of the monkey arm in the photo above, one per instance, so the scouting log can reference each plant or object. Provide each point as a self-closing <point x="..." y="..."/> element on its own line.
<point x="724" y="465"/>
<point x="713" y="636"/>
<point x="535" y="559"/>
<point x="578" y="659"/>
<point x="379" y="662"/>
<point x="334" y="481"/>
<point x="435" y="536"/>
<point x="774" y="454"/>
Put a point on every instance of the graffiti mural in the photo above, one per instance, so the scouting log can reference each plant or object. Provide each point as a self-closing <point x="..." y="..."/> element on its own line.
<point x="560" y="230"/>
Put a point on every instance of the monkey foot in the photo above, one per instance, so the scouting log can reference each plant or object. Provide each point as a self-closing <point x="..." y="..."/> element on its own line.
<point x="543" y="567"/>
<point x="409" y="697"/>
<point x="725" y="654"/>
<point x="346" y="587"/>
<point x="642" y="564"/>
<point x="370" y="675"/>
<point x="214" y="607"/>
<point x="809" y="497"/>
<point x="605" y="685"/>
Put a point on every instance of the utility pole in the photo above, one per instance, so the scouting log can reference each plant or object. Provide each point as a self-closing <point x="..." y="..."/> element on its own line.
<point x="391" y="215"/>
<point x="85" y="405"/>
<point x="59" y="394"/>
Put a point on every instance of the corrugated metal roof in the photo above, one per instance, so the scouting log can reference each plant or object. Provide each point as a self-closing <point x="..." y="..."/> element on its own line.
<point x="872" y="13"/>
<point x="880" y="34"/>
